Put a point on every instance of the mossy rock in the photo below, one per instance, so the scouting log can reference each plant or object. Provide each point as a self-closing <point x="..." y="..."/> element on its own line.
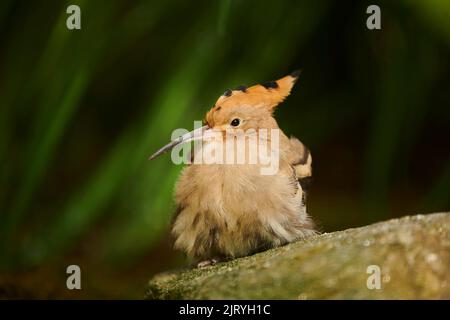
<point x="413" y="254"/>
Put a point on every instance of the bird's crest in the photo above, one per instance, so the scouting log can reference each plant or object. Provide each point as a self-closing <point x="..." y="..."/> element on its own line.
<point x="268" y="94"/>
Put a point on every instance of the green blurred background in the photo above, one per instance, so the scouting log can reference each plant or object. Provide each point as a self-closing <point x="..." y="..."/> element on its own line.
<point x="81" y="111"/>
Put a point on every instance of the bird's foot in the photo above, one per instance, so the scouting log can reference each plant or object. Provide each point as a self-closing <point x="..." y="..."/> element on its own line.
<point x="207" y="263"/>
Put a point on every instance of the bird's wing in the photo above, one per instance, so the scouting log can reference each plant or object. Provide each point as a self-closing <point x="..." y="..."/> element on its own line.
<point x="300" y="158"/>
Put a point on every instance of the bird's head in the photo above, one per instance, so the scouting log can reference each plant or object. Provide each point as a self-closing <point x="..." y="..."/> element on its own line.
<point x="242" y="108"/>
<point x="249" y="108"/>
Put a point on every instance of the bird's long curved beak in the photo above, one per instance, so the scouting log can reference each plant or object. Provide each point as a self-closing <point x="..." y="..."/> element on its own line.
<point x="196" y="134"/>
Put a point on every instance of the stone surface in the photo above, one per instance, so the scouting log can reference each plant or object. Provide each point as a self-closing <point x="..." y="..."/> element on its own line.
<point x="413" y="254"/>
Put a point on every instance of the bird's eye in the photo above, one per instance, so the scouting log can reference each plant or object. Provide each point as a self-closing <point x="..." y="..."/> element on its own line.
<point x="235" y="122"/>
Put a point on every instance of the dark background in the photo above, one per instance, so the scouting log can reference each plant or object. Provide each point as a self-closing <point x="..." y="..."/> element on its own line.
<point x="82" y="110"/>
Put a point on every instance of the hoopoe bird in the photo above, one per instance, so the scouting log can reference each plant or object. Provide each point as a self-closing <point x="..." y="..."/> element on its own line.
<point x="225" y="211"/>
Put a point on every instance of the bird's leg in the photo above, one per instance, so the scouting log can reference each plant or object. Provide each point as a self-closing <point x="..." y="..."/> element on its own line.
<point x="209" y="262"/>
